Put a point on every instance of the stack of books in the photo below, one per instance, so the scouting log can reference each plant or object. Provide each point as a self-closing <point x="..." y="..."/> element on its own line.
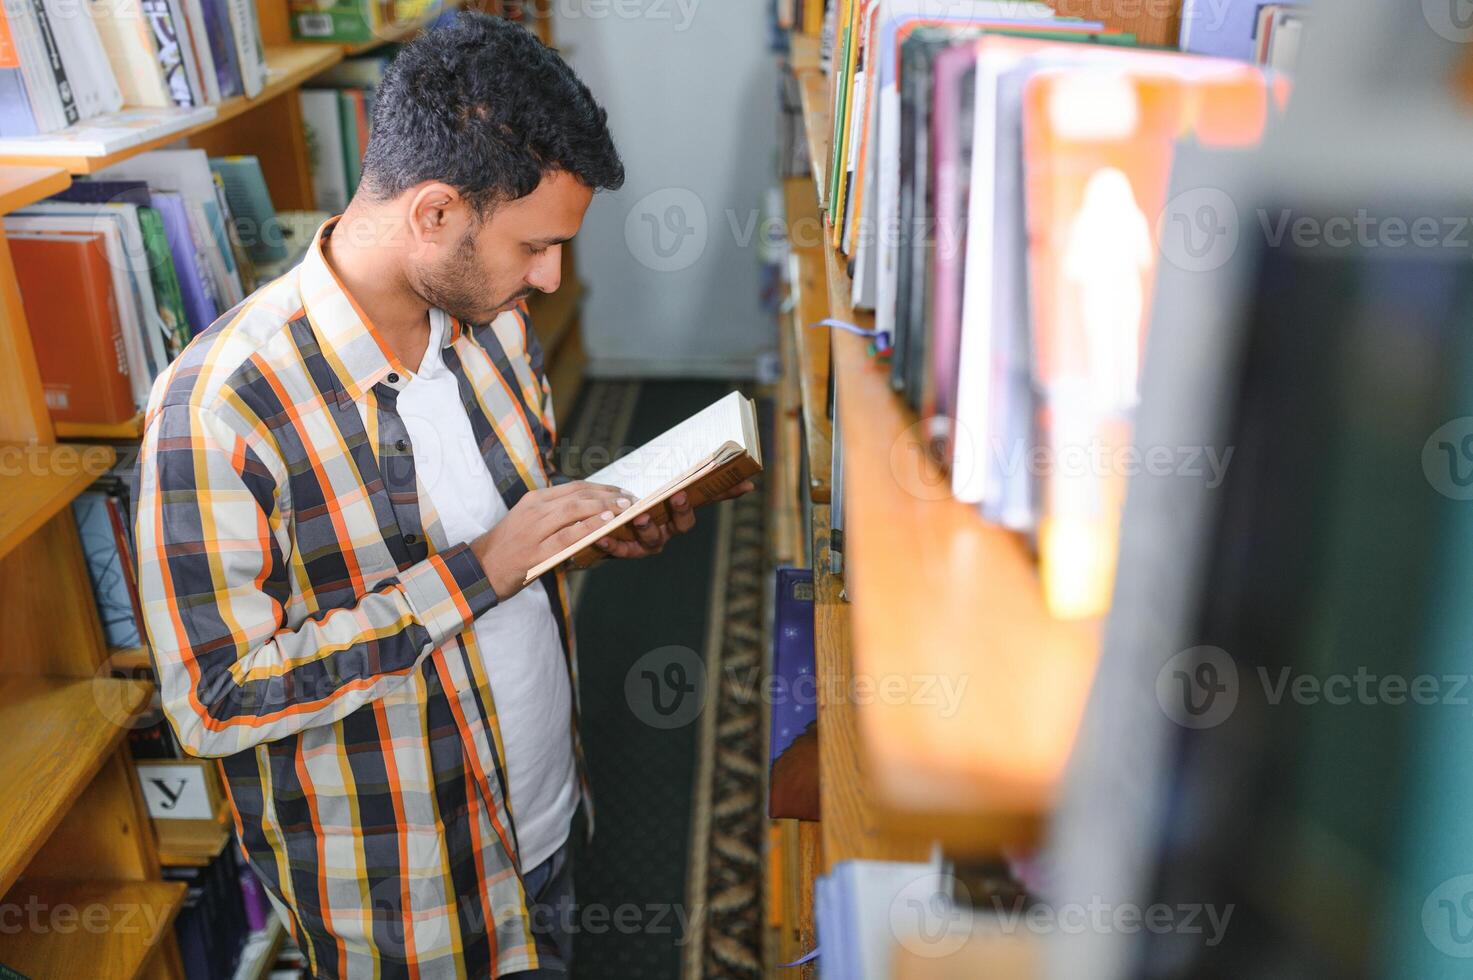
<point x="996" y="178"/>
<point x="166" y="60"/>
<point x="158" y="247"/>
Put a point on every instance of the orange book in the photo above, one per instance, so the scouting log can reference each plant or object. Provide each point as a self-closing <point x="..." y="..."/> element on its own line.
<point x="1097" y="148"/>
<point x="66" y="289"/>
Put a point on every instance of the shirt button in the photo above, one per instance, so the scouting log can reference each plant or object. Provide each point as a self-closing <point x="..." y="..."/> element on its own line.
<point x="393" y="378"/>
<point x="410" y="539"/>
<point x="402" y="446"/>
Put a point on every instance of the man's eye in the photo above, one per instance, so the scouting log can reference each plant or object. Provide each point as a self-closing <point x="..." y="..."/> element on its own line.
<point x="535" y="250"/>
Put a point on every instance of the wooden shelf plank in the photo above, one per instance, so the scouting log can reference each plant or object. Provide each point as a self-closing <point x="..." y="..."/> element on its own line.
<point x="190" y="843"/>
<point x="813" y="93"/>
<point x="260" y="951"/>
<point x="37" y="481"/>
<point x="99" y="930"/>
<point x="287" y="66"/>
<point x="20" y="186"/>
<point x="982" y="952"/>
<point x="803" y="52"/>
<point x="811" y="304"/>
<point x="848" y="817"/>
<point x="999" y="685"/>
<point x="54" y="736"/>
<point x="131" y="429"/>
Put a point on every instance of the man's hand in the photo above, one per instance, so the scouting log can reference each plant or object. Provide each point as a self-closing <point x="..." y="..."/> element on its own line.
<point x="543" y="523"/>
<point x="650" y="537"/>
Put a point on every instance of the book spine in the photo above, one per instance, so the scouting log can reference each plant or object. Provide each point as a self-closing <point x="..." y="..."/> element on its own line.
<point x="223" y="47"/>
<point x="69" y="109"/>
<point x="171" y="61"/>
<point x="251" y="54"/>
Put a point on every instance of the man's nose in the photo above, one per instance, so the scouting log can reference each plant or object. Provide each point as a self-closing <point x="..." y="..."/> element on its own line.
<point x="547" y="271"/>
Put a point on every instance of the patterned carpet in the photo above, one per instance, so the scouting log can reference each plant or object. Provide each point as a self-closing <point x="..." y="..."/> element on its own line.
<point x="677" y="779"/>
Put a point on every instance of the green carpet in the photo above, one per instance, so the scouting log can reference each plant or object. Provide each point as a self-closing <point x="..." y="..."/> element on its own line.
<point x="641" y="628"/>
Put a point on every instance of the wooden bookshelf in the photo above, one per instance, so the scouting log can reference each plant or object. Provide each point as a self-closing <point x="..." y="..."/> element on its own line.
<point x="131" y="429"/>
<point x="810" y="305"/>
<point x="813" y="95"/>
<point x="982" y="952"/>
<point x="20" y="186"/>
<point x="287" y="67"/>
<point x="55" y="736"/>
<point x="850" y="825"/>
<point x="116" y="930"/>
<point x="190" y="843"/>
<point x="940" y="598"/>
<point x="38" y="481"/>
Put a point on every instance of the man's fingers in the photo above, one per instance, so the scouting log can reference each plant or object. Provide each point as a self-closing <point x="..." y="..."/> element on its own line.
<point x="588" y="503"/>
<point x="681" y="514"/>
<point x="647" y="532"/>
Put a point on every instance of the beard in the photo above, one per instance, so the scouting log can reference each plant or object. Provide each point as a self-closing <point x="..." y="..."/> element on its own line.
<point x="458" y="286"/>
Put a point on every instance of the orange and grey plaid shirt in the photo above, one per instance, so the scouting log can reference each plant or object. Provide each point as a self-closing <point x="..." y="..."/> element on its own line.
<point x="312" y="627"/>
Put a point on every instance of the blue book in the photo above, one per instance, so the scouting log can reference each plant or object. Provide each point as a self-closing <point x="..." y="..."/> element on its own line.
<point x="1226" y="28"/>
<point x="222" y="47"/>
<point x="793" y="786"/>
<point x="15" y="106"/>
<point x="198" y="305"/>
<point x="105" y="569"/>
<point x="84" y="191"/>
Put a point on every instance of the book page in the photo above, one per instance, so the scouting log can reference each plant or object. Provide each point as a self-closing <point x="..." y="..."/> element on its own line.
<point x="677" y="450"/>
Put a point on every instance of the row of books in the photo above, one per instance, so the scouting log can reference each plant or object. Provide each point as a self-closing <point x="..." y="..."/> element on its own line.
<point x="995" y="181"/>
<point x="156" y="247"/>
<point x="336" y="111"/>
<point x="61" y="65"/>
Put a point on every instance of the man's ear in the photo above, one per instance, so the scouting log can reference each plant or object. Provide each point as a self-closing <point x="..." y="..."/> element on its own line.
<point x="435" y="212"/>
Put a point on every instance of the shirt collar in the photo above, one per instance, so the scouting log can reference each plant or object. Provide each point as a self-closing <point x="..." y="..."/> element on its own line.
<point x="348" y="338"/>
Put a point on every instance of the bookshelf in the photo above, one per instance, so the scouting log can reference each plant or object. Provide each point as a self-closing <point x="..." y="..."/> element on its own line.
<point x="140" y="916"/>
<point x="39" y="481"/>
<point x="810" y="305"/>
<point x="55" y="734"/>
<point x="981" y="777"/>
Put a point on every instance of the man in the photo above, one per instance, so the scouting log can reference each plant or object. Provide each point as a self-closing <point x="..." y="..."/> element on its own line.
<point x="344" y="481"/>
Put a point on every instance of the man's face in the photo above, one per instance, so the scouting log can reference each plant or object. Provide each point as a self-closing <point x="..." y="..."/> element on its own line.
<point x="516" y="249"/>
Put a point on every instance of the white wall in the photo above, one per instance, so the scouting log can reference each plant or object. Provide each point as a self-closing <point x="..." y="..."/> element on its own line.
<point x="689" y="87"/>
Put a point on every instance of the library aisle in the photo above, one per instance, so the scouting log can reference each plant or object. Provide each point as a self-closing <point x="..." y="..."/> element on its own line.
<point x="917" y="489"/>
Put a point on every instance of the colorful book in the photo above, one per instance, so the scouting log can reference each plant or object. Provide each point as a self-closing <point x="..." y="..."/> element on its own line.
<point x="1098" y="144"/>
<point x="220" y="36"/>
<point x="254" y="217"/>
<point x="1225" y="28"/>
<point x="323" y="119"/>
<point x="132" y="52"/>
<point x="793" y="744"/>
<point x="77" y="333"/>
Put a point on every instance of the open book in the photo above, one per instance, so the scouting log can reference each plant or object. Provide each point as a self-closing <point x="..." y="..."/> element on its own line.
<point x="706" y="455"/>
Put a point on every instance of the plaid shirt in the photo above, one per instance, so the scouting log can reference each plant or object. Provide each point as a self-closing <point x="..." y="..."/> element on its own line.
<point x="311" y="626"/>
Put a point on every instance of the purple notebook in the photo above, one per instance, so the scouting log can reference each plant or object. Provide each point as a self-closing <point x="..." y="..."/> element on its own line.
<point x="951" y="156"/>
<point x="793" y="787"/>
<point x="198" y="305"/>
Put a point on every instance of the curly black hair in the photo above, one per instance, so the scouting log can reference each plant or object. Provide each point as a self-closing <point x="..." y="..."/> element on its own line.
<point x="486" y="107"/>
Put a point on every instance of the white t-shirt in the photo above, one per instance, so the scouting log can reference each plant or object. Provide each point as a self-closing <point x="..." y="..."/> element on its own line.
<point x="518" y="637"/>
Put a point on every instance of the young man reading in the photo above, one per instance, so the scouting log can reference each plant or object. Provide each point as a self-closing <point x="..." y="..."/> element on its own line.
<point x="344" y="482"/>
